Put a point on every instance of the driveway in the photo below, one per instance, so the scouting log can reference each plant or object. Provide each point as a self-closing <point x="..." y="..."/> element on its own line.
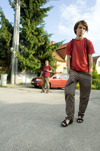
<point x="30" y="121"/>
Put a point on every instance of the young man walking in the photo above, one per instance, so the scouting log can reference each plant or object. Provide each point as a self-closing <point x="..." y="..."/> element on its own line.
<point x="46" y="73"/>
<point x="80" y="64"/>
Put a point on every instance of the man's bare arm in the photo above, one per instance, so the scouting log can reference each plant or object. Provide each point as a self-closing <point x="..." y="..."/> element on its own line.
<point x="49" y="70"/>
<point x="68" y="62"/>
<point x="90" y="64"/>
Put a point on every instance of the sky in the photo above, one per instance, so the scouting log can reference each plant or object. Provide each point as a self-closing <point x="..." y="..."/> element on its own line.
<point x="63" y="16"/>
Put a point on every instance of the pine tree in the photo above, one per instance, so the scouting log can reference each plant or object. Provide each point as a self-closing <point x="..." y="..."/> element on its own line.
<point x="35" y="45"/>
<point x="6" y="31"/>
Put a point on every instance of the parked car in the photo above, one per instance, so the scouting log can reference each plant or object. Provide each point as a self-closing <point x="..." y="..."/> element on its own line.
<point x="58" y="80"/>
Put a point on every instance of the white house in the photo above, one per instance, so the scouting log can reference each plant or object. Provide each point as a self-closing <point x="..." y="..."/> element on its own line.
<point x="96" y="60"/>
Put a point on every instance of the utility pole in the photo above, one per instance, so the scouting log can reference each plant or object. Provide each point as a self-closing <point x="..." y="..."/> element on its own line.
<point x="14" y="62"/>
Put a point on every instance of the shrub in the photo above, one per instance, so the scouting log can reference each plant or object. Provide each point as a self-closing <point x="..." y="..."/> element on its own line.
<point x="93" y="87"/>
<point x="94" y="73"/>
<point x="77" y="86"/>
<point x="96" y="83"/>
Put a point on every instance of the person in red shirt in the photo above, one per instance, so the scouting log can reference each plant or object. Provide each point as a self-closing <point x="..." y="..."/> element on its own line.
<point x="80" y="66"/>
<point x="46" y="73"/>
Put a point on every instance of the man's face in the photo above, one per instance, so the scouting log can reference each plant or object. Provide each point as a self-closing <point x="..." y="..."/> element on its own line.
<point x="80" y="30"/>
<point x="46" y="63"/>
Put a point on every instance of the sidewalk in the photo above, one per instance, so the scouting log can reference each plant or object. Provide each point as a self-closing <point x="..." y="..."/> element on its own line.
<point x="19" y="86"/>
<point x="30" y="121"/>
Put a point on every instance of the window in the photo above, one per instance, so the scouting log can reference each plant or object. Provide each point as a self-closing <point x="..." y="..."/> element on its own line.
<point x="65" y="76"/>
<point x="57" y="76"/>
<point x="64" y="70"/>
<point x="98" y="63"/>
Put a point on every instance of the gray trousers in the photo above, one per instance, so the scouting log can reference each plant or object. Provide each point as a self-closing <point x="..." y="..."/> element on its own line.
<point x="85" y="81"/>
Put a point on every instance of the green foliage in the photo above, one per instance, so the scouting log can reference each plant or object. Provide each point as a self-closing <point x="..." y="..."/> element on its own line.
<point x="12" y="3"/>
<point x="96" y="83"/>
<point x="77" y="86"/>
<point x="93" y="87"/>
<point x="95" y="78"/>
<point x="35" y="45"/>
<point x="6" y="31"/>
<point x="94" y="73"/>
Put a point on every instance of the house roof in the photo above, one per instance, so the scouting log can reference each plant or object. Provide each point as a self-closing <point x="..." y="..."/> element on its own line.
<point x="95" y="58"/>
<point x="61" y="51"/>
<point x="63" y="46"/>
<point x="57" y="56"/>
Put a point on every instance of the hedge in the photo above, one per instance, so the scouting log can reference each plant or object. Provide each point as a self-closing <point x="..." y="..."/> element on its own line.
<point x="95" y="84"/>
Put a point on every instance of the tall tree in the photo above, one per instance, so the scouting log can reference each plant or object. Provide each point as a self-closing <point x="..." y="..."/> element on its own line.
<point x="35" y="45"/>
<point x="6" y="30"/>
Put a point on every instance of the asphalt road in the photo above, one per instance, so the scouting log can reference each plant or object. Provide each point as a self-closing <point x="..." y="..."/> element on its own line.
<point x="31" y="121"/>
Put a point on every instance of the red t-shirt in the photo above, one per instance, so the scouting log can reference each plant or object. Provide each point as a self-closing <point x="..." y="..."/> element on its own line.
<point x="45" y="73"/>
<point x="79" y="54"/>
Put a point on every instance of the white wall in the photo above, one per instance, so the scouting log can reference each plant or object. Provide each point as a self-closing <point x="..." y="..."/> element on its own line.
<point x="98" y="67"/>
<point x="26" y="77"/>
<point x="60" y="66"/>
